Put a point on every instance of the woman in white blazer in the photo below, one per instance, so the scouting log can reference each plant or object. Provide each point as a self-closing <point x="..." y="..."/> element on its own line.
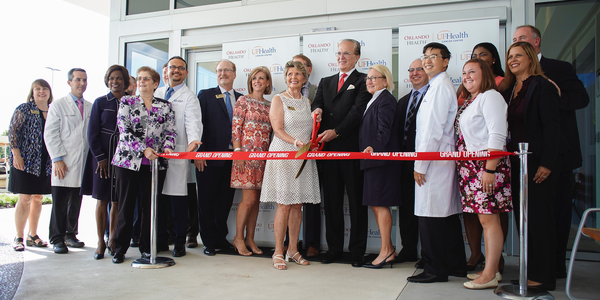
<point x="481" y="125"/>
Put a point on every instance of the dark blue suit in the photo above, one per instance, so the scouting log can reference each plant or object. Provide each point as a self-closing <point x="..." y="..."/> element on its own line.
<point x="573" y="97"/>
<point x="215" y="195"/>
<point x="379" y="130"/>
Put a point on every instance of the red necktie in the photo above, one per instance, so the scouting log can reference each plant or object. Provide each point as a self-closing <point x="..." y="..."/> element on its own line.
<point x="341" y="81"/>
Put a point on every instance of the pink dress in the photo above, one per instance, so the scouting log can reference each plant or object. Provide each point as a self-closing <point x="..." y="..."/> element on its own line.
<point x="252" y="127"/>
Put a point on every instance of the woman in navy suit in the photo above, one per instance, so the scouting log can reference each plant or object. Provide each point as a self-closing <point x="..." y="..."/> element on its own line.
<point x="102" y="137"/>
<point x="379" y="133"/>
<point x="533" y="117"/>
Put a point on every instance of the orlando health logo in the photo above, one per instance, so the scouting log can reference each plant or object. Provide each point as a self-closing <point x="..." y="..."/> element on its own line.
<point x="259" y="51"/>
<point x="235" y="54"/>
<point x="319" y="47"/>
<point x="421" y="39"/>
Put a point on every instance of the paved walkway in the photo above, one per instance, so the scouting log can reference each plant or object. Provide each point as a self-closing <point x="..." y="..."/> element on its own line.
<point x="77" y="275"/>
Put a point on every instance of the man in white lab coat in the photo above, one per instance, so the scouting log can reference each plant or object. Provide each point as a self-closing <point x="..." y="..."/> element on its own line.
<point x="180" y="183"/>
<point x="65" y="135"/>
<point x="437" y="201"/>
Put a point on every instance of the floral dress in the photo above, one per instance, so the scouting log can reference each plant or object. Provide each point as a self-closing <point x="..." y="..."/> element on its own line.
<point x="252" y="127"/>
<point x="473" y="199"/>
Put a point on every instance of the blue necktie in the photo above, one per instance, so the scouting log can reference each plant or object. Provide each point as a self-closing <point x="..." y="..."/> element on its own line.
<point x="169" y="93"/>
<point x="229" y="107"/>
<point x="410" y="117"/>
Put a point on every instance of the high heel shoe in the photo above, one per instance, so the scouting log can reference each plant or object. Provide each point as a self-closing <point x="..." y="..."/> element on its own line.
<point x="475" y="286"/>
<point x="299" y="261"/>
<point x="239" y="250"/>
<point x="479" y="262"/>
<point x="382" y="263"/>
<point x="474" y="276"/>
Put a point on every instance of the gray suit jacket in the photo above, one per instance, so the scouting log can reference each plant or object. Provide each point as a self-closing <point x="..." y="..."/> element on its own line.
<point x="312" y="92"/>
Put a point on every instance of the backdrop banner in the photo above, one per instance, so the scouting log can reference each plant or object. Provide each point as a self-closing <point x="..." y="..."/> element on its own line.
<point x="272" y="53"/>
<point x="376" y="48"/>
<point x="459" y="37"/>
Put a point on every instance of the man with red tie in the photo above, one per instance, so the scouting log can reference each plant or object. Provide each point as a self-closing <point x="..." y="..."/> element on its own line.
<point x="340" y="102"/>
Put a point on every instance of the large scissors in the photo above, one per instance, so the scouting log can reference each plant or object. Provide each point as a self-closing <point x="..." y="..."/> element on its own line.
<point x="314" y="144"/>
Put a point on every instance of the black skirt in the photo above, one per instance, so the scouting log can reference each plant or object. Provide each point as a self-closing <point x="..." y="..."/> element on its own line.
<point x="382" y="186"/>
<point x="21" y="182"/>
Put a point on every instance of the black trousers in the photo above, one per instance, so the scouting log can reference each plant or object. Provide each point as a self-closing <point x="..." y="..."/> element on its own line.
<point x="66" y="204"/>
<point x="129" y="182"/>
<point x="179" y="215"/>
<point x="408" y="222"/>
<point x="541" y="254"/>
<point x="215" y="197"/>
<point x="562" y="216"/>
<point x="338" y="176"/>
<point x="442" y="245"/>
<point x="192" y="200"/>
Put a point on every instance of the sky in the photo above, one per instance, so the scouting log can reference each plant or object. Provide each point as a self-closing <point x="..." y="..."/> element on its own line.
<point x="50" y="33"/>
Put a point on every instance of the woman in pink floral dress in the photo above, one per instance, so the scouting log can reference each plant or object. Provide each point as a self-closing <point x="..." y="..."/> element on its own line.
<point x="484" y="185"/>
<point x="251" y="130"/>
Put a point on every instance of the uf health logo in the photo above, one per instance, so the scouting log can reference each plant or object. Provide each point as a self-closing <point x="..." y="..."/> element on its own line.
<point x="259" y="51"/>
<point x="448" y="37"/>
<point x="276" y="69"/>
<point x="367" y="62"/>
<point x="266" y="207"/>
<point x="374" y="234"/>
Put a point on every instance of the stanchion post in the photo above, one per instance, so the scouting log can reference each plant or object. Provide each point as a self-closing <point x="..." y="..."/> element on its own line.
<point x="153" y="262"/>
<point x="522" y="291"/>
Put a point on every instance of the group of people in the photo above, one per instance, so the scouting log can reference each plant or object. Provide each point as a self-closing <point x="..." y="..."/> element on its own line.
<point x="533" y="101"/>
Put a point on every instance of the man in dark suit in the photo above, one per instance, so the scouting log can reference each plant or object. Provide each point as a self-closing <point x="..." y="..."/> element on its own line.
<point x="215" y="195"/>
<point x="573" y="96"/>
<point x="340" y="102"/>
<point x="409" y="223"/>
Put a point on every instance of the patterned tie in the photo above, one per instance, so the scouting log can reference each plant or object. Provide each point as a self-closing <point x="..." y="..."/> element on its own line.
<point x="344" y="75"/>
<point x="410" y="117"/>
<point x="228" y="105"/>
<point x="169" y="93"/>
<point x="80" y="106"/>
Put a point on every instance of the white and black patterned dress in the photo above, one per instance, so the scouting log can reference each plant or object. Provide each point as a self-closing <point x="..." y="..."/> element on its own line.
<point x="279" y="184"/>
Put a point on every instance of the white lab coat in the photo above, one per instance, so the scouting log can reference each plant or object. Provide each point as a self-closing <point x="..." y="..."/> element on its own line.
<point x="65" y="135"/>
<point x="188" y="123"/>
<point x="439" y="196"/>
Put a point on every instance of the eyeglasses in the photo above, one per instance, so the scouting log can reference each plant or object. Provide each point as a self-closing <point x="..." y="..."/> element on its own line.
<point x="224" y="70"/>
<point x="344" y="54"/>
<point x="373" y="78"/>
<point x="173" y="68"/>
<point x="432" y="57"/>
<point x="142" y="79"/>
<point x="413" y="69"/>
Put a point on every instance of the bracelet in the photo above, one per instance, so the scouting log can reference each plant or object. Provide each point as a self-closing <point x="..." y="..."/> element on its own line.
<point x="237" y="149"/>
<point x="295" y="141"/>
<point x="490" y="171"/>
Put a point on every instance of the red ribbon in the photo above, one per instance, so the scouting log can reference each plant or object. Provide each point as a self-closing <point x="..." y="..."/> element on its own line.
<point x="328" y="155"/>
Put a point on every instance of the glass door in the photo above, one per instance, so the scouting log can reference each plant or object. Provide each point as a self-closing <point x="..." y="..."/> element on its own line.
<point x="202" y="65"/>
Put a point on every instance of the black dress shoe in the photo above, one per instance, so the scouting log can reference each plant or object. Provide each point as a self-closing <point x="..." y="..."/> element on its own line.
<point x="458" y="273"/>
<point x="179" y="250"/>
<point x="358" y="261"/>
<point x="162" y="247"/>
<point x="60" y="248"/>
<point x="72" y="241"/>
<point x="98" y="256"/>
<point x="427" y="278"/>
<point x="403" y="257"/>
<point x="542" y="286"/>
<point x="118" y="258"/>
<point x="331" y="257"/>
<point x="420" y="264"/>
<point x="226" y="245"/>
<point x="209" y="251"/>
<point x="135" y="242"/>
<point x="192" y="242"/>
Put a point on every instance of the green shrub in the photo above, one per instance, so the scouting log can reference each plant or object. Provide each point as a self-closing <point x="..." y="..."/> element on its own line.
<point x="10" y="200"/>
